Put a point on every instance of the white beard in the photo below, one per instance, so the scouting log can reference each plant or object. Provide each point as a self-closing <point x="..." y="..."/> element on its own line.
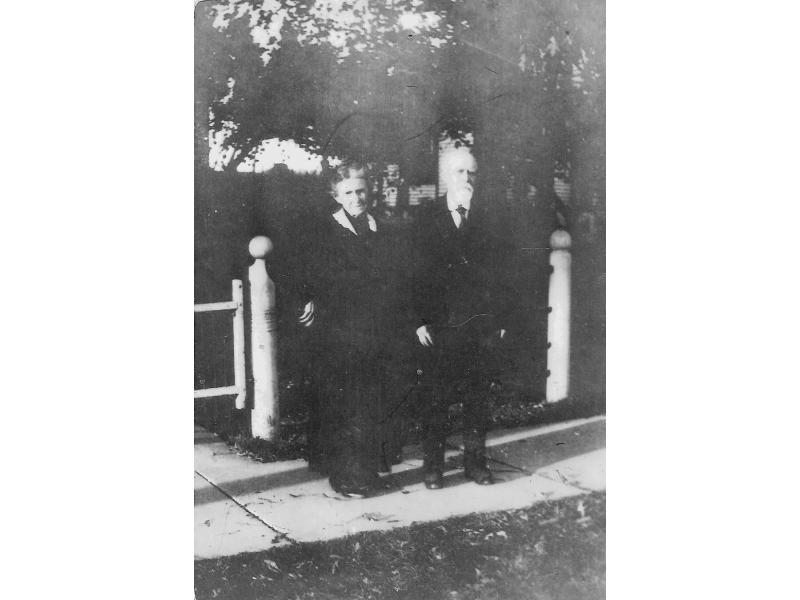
<point x="458" y="198"/>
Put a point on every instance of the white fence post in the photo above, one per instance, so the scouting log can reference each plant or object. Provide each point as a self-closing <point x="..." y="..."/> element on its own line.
<point x="558" y="318"/>
<point x="239" y="373"/>
<point x="265" y="416"/>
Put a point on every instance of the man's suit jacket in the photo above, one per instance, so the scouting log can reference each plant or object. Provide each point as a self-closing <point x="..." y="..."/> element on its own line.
<point x="459" y="274"/>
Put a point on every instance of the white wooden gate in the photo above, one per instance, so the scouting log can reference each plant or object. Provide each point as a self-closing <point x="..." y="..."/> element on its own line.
<point x="236" y="304"/>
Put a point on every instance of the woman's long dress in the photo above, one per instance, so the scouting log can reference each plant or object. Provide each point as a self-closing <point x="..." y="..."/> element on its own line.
<point x="357" y="307"/>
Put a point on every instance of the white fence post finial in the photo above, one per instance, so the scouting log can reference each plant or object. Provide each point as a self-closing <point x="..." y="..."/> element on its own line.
<point x="558" y="319"/>
<point x="265" y="415"/>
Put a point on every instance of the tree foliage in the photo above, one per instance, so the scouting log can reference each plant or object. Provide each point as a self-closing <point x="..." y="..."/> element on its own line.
<point x="387" y="78"/>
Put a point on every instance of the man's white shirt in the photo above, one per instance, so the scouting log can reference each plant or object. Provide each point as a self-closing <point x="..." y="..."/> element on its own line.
<point x="452" y="206"/>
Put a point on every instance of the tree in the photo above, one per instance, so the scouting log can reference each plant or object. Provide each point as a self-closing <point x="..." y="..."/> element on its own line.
<point x="387" y="78"/>
<point x="325" y="74"/>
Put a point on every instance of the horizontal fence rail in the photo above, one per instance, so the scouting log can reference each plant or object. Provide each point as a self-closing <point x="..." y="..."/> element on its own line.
<point x="214" y="306"/>
<point x="217" y="391"/>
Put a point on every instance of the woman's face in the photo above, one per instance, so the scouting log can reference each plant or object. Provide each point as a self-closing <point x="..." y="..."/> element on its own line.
<point x="351" y="193"/>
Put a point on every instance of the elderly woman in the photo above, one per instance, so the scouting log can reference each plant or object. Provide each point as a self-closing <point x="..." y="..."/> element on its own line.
<point x="353" y="301"/>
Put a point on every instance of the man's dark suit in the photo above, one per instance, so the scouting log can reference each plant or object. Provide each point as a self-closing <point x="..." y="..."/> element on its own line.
<point x="461" y="294"/>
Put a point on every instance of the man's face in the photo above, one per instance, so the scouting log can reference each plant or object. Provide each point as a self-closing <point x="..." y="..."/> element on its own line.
<point x="351" y="193"/>
<point x="461" y="173"/>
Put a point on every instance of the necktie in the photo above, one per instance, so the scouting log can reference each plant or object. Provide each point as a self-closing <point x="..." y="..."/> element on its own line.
<point x="462" y="212"/>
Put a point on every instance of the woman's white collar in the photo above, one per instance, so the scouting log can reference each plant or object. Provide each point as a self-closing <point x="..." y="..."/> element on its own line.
<point x="342" y="219"/>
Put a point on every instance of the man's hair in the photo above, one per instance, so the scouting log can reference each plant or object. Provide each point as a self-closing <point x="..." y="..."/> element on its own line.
<point x="450" y="153"/>
<point x="345" y="171"/>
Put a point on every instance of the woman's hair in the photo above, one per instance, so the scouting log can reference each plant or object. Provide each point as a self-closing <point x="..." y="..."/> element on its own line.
<point x="345" y="171"/>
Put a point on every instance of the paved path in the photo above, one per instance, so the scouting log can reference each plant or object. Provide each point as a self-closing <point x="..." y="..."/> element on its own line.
<point x="243" y="505"/>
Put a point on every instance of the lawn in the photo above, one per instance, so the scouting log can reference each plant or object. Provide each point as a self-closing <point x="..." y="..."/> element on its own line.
<point x="553" y="550"/>
<point x="506" y="410"/>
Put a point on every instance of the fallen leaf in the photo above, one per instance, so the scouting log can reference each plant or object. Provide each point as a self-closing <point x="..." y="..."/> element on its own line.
<point x="272" y="565"/>
<point x="376" y="516"/>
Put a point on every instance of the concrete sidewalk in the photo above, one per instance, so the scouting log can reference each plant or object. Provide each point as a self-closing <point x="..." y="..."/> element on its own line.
<point x="243" y="505"/>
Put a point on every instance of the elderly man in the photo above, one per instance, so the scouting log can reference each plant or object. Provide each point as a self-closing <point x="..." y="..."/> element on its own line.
<point x="461" y="305"/>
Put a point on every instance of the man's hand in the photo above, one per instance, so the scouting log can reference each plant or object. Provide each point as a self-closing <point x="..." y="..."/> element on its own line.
<point x="307" y="318"/>
<point x="424" y="336"/>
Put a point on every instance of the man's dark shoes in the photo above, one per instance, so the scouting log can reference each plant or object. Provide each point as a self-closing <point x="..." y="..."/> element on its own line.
<point x="480" y="475"/>
<point x="475" y="469"/>
<point x="433" y="461"/>
<point x="434" y="480"/>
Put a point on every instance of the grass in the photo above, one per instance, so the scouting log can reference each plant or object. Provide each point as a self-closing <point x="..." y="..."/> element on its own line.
<point x="551" y="551"/>
<point x="505" y="412"/>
